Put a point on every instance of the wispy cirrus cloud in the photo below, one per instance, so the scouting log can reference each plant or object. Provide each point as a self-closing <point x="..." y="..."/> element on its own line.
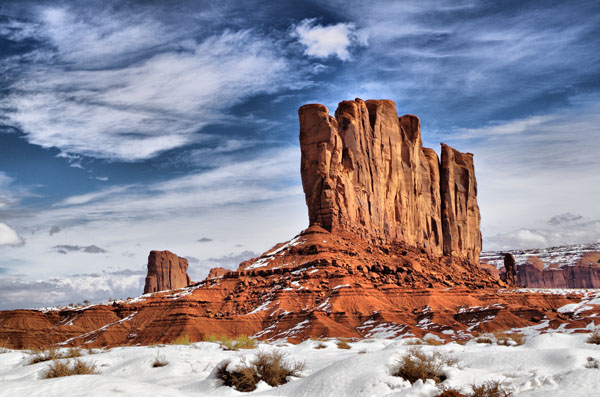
<point x="125" y="87"/>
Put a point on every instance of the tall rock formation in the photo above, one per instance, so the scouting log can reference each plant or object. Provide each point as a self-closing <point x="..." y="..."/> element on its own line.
<point x="365" y="171"/>
<point x="510" y="269"/>
<point x="166" y="271"/>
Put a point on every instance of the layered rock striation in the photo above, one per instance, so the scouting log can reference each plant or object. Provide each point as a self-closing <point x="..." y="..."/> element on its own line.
<point x="365" y="171"/>
<point x="166" y="271"/>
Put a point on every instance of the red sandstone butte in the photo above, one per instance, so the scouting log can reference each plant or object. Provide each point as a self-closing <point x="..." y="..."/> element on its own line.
<point x="366" y="171"/>
<point x="166" y="271"/>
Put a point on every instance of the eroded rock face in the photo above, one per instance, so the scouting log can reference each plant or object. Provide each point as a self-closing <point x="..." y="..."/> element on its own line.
<point x="166" y="271"/>
<point x="365" y="171"/>
<point x="578" y="276"/>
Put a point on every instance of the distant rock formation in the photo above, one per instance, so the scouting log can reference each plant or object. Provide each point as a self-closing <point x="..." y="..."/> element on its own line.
<point x="578" y="276"/>
<point x="510" y="269"/>
<point x="366" y="172"/>
<point x="573" y="266"/>
<point x="166" y="271"/>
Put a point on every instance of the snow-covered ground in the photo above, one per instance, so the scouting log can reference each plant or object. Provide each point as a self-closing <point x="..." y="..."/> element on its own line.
<point x="546" y="365"/>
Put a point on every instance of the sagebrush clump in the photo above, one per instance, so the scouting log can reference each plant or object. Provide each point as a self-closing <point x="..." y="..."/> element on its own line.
<point x="594" y="338"/>
<point x="159" y="361"/>
<point x="273" y="368"/>
<point x="418" y="365"/>
<point x="60" y="368"/>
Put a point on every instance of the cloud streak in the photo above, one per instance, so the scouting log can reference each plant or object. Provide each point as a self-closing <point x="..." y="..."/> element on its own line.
<point x="84" y="98"/>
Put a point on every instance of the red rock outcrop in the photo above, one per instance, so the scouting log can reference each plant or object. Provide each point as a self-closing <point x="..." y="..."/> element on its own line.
<point x="510" y="269"/>
<point x="575" y="266"/>
<point x="365" y="171"/>
<point x="166" y="271"/>
<point x="578" y="276"/>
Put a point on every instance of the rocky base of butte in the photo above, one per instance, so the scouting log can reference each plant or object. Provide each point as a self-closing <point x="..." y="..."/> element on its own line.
<point x="392" y="249"/>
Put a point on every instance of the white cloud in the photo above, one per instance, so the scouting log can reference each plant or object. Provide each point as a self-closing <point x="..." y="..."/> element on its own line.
<point x="84" y="98"/>
<point x="563" y="229"/>
<point x="16" y="292"/>
<point x="325" y="41"/>
<point x="8" y="236"/>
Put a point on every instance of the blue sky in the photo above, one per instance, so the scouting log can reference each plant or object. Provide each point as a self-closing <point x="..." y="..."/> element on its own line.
<point x="129" y="126"/>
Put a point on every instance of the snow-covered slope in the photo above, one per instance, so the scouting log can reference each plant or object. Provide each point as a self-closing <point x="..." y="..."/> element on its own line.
<point x="547" y="365"/>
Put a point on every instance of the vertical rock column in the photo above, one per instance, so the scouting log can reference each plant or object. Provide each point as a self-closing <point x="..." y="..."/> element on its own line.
<point x="460" y="212"/>
<point x="166" y="271"/>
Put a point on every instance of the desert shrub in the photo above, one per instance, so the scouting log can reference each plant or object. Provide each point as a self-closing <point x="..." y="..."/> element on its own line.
<point x="450" y="393"/>
<point x="362" y="351"/>
<point x="182" y="340"/>
<point x="60" y="368"/>
<point x="433" y="342"/>
<point x="239" y="342"/>
<point x="505" y="339"/>
<point x="484" y="339"/>
<point x="159" y="361"/>
<point x="490" y="388"/>
<point x="592" y="363"/>
<point x="418" y="365"/>
<point x="242" y="379"/>
<point x="44" y="355"/>
<point x="244" y="342"/>
<point x="73" y="352"/>
<point x="273" y="368"/>
<point x="594" y="338"/>
<point x="343" y="345"/>
<point x="321" y="346"/>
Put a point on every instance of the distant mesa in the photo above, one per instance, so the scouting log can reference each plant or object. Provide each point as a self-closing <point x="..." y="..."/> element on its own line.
<point x="575" y="266"/>
<point x="166" y="271"/>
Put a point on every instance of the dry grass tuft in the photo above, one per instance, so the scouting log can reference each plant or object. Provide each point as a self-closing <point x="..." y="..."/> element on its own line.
<point x="490" y="388"/>
<point x="594" y="338"/>
<point x="159" y="361"/>
<point x="321" y="346"/>
<point x="273" y="368"/>
<point x="433" y="342"/>
<point x="450" y="393"/>
<point x="418" y="365"/>
<point x="58" y="369"/>
<point x="484" y="339"/>
<point x="242" y="379"/>
<point x="237" y="343"/>
<point x="44" y="355"/>
<point x="505" y="339"/>
<point x="182" y="340"/>
<point x="343" y="345"/>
